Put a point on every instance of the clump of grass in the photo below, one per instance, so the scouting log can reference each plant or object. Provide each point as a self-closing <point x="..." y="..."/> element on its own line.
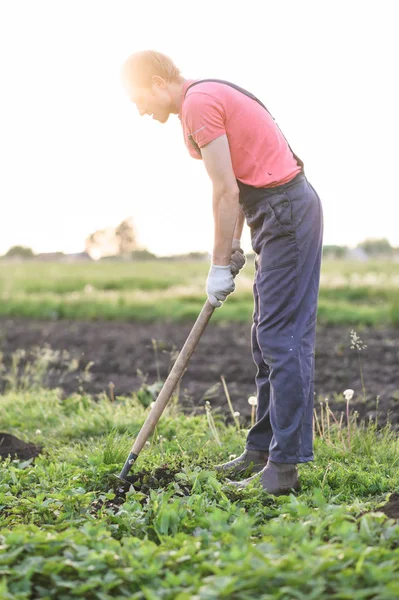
<point x="116" y="447"/>
<point x="338" y="434"/>
<point x="211" y="422"/>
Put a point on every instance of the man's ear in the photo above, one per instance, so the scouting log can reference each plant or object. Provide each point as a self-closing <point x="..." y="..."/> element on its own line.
<point x="159" y="81"/>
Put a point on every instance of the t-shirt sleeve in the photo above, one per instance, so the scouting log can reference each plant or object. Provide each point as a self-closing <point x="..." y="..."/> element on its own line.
<point x="204" y="118"/>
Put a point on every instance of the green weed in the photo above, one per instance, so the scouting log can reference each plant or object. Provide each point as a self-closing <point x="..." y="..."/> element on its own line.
<point x="181" y="532"/>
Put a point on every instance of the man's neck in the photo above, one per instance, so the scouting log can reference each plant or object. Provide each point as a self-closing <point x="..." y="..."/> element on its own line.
<point x="176" y="93"/>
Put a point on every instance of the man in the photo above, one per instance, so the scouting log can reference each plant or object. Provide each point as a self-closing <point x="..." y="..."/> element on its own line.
<point x="256" y="177"/>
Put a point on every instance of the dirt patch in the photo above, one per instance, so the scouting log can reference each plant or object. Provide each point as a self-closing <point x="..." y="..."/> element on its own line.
<point x="16" y="448"/>
<point x="146" y="480"/>
<point x="142" y="481"/>
<point x="391" y="508"/>
<point x="126" y="354"/>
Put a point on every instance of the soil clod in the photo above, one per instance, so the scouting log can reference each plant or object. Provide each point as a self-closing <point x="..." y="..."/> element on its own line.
<point x="391" y="508"/>
<point x="16" y="448"/>
<point x="142" y="481"/>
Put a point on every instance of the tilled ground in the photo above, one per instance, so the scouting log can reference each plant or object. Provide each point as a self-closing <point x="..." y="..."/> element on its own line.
<point x="127" y="354"/>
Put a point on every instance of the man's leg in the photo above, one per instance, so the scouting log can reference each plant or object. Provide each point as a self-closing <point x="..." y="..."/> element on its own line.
<point x="288" y="296"/>
<point x="260" y="435"/>
<point x="256" y="452"/>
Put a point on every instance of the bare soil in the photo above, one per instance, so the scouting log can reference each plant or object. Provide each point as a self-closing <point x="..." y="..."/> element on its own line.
<point x="129" y="354"/>
<point x="16" y="448"/>
<point x="391" y="508"/>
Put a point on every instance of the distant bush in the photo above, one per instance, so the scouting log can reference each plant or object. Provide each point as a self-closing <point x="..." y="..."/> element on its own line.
<point x="334" y="251"/>
<point x="142" y="255"/>
<point x="20" y="252"/>
<point x="375" y="247"/>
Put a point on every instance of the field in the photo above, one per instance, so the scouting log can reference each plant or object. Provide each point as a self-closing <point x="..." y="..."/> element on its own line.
<point x="84" y="349"/>
<point x="126" y="321"/>
<point x="351" y="293"/>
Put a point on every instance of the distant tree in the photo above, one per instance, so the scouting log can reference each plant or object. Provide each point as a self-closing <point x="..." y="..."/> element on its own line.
<point x="102" y="243"/>
<point x="375" y="247"/>
<point x="112" y="241"/>
<point x="92" y="244"/>
<point x="19" y="251"/>
<point x="126" y="237"/>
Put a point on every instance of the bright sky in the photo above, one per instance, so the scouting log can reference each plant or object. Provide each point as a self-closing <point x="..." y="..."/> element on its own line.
<point x="76" y="156"/>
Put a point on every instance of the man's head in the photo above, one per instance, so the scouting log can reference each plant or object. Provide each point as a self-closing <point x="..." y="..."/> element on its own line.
<point x="153" y="83"/>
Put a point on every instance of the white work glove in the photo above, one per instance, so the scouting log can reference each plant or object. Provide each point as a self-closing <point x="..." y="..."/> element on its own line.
<point x="238" y="259"/>
<point x="219" y="285"/>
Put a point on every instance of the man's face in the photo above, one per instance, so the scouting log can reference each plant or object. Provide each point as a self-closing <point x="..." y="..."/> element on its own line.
<point x="154" y="101"/>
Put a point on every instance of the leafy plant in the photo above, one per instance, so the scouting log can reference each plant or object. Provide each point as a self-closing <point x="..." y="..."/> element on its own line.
<point x="179" y="531"/>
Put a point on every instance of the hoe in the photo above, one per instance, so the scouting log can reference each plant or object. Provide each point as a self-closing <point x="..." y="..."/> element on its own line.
<point x="168" y="388"/>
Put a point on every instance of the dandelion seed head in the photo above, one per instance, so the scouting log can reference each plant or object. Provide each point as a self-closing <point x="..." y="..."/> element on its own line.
<point x="348" y="394"/>
<point x="252" y="400"/>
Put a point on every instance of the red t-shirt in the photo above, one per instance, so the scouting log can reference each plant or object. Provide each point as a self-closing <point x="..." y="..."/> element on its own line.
<point x="259" y="152"/>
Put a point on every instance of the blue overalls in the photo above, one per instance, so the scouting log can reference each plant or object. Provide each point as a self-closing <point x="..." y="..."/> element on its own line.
<point x="286" y="224"/>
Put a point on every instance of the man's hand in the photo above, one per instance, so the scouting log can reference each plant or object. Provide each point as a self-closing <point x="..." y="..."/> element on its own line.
<point x="219" y="285"/>
<point x="238" y="259"/>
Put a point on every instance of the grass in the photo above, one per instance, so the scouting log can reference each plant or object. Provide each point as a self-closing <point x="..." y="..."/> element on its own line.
<point x="351" y="293"/>
<point x="182" y="533"/>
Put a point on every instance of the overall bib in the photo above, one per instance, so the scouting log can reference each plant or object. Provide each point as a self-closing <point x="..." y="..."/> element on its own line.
<point x="286" y="224"/>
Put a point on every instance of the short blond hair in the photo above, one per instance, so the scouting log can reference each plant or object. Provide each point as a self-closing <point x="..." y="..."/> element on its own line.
<point x="140" y="67"/>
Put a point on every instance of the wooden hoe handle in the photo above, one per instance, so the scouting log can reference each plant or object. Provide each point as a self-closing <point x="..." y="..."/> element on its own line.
<point x="169" y="386"/>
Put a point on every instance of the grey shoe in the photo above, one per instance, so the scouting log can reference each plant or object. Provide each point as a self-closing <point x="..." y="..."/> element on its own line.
<point x="250" y="461"/>
<point x="275" y="478"/>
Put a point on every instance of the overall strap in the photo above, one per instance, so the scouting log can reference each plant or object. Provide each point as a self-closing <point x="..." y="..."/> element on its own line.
<point x="240" y="89"/>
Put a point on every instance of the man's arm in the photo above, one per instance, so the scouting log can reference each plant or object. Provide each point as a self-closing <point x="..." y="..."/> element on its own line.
<point x="238" y="229"/>
<point x="226" y="209"/>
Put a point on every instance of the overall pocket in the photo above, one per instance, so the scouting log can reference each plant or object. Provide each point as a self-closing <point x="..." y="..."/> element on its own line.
<point x="282" y="209"/>
<point x="273" y="239"/>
